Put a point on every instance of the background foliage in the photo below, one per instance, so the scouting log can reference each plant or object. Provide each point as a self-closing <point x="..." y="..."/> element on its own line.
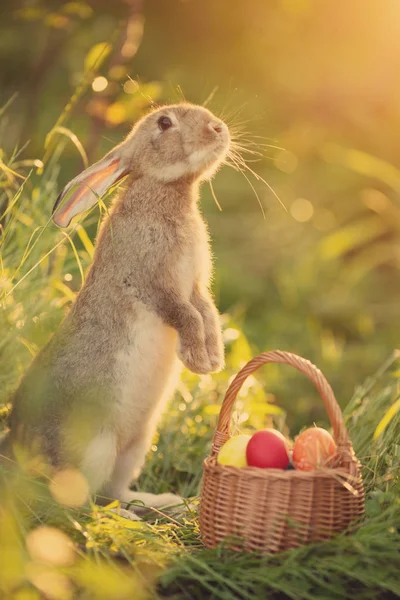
<point x="313" y="78"/>
<point x="312" y="87"/>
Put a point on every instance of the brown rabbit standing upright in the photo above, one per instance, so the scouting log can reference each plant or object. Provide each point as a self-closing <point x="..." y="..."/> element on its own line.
<point x="92" y="397"/>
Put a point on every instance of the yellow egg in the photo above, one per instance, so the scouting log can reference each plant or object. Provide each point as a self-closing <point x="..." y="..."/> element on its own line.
<point x="233" y="452"/>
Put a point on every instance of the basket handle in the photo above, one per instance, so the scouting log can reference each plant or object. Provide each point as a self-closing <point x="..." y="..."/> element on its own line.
<point x="222" y="432"/>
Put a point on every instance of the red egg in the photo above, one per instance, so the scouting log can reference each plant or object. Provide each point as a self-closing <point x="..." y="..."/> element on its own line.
<point x="313" y="448"/>
<point x="268" y="449"/>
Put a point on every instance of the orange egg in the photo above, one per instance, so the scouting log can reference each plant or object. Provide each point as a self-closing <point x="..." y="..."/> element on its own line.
<point x="313" y="448"/>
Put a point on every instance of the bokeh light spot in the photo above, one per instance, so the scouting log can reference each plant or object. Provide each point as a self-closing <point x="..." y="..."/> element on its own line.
<point x="131" y="86"/>
<point x="116" y="114"/>
<point x="50" y="546"/>
<point x="375" y="200"/>
<point x="99" y="84"/>
<point x="286" y="161"/>
<point x="129" y="49"/>
<point x="78" y="8"/>
<point x="70" y="488"/>
<point x="230" y="334"/>
<point x="52" y="584"/>
<point x="57" y="21"/>
<point x="302" y="210"/>
<point x="117" y="72"/>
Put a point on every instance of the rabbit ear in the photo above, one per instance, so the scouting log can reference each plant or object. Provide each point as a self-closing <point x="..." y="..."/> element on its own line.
<point x="82" y="192"/>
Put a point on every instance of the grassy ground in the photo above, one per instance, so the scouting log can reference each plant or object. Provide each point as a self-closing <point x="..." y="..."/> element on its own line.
<point x="49" y="550"/>
<point x="164" y="557"/>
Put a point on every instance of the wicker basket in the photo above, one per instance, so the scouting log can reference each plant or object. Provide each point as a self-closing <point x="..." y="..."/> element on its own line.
<point x="271" y="510"/>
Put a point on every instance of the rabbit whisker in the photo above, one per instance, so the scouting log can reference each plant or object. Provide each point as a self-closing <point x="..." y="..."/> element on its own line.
<point x="239" y="168"/>
<point x="259" y="178"/>
<point x="210" y="96"/>
<point x="214" y="196"/>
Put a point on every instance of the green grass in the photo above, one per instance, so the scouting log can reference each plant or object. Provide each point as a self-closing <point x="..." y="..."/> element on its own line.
<point x="163" y="556"/>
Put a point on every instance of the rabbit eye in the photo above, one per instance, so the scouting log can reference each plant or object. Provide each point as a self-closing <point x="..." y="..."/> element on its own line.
<point x="164" y="123"/>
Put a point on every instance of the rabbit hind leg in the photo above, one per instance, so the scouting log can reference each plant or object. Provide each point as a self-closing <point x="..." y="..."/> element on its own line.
<point x="127" y="467"/>
<point x="99" y="460"/>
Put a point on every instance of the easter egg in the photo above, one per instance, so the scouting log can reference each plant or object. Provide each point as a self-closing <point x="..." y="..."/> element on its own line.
<point x="233" y="452"/>
<point x="268" y="449"/>
<point x="313" y="448"/>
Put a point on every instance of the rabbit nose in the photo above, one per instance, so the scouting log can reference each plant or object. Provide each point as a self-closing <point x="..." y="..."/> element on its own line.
<point x="216" y="126"/>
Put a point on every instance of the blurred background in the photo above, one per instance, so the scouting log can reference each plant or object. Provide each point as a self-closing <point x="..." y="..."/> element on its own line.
<point x="312" y="86"/>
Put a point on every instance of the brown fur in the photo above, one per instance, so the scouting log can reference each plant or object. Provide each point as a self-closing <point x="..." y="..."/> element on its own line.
<point x="152" y="265"/>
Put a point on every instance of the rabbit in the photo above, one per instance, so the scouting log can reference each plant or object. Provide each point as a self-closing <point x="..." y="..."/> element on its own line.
<point x="92" y="397"/>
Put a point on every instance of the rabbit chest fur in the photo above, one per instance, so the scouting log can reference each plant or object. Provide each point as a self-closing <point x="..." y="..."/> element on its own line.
<point x="146" y="372"/>
<point x="146" y="254"/>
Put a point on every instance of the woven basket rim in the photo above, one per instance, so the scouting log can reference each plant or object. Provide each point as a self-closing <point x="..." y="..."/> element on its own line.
<point x="213" y="467"/>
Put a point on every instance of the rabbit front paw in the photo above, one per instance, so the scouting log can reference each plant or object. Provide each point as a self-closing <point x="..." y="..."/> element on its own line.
<point x="217" y="359"/>
<point x="195" y="358"/>
<point x="215" y="350"/>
